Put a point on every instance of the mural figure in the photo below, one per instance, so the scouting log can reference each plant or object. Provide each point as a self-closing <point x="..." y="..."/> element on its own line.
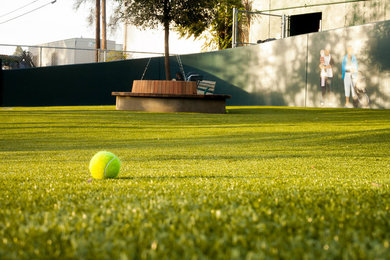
<point x="322" y="67"/>
<point x="350" y="72"/>
<point x="326" y="75"/>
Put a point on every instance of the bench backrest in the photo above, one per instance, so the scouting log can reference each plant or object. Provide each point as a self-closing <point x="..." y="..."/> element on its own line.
<point x="206" y="87"/>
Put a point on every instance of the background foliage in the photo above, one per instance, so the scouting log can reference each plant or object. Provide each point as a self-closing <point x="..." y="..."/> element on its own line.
<point x="217" y="30"/>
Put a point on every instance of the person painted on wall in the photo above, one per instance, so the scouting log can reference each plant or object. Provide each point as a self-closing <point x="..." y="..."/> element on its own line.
<point x="322" y="67"/>
<point x="326" y="63"/>
<point x="350" y="71"/>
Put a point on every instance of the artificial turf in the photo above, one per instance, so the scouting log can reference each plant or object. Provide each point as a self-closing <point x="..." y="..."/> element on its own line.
<point x="255" y="183"/>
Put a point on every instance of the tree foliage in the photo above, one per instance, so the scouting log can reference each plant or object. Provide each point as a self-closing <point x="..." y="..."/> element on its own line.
<point x="152" y="13"/>
<point x="218" y="26"/>
<point x="169" y="14"/>
<point x="18" y="51"/>
<point x="222" y="24"/>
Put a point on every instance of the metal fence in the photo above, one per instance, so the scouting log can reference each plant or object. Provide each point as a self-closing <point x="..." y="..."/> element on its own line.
<point x="25" y="56"/>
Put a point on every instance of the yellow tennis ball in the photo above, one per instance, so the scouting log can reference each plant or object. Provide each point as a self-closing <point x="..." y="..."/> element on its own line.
<point x="104" y="165"/>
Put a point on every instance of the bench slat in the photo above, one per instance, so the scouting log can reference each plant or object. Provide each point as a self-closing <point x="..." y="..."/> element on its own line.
<point x="206" y="87"/>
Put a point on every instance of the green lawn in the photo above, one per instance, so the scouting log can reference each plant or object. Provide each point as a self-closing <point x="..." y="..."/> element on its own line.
<point x="255" y="183"/>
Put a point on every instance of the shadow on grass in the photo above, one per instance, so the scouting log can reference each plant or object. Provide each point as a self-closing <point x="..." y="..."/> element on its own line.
<point x="265" y="140"/>
<point x="235" y="115"/>
<point x="193" y="177"/>
<point x="231" y="110"/>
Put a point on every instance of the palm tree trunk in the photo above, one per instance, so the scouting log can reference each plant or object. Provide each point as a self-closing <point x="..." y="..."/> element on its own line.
<point x="104" y="34"/>
<point x="167" y="64"/>
<point x="97" y="36"/>
<point x="167" y="20"/>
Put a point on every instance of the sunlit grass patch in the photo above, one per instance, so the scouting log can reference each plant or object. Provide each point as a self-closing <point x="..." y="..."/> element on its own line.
<point x="254" y="183"/>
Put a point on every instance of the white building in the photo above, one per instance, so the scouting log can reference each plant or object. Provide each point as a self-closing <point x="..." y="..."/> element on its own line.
<point x="70" y="51"/>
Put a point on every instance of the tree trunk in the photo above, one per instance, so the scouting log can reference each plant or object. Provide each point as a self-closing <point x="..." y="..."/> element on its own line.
<point x="125" y="37"/>
<point x="104" y="25"/>
<point x="97" y="36"/>
<point x="167" y="64"/>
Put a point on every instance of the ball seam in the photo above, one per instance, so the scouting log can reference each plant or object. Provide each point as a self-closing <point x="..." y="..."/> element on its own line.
<point x="107" y="166"/>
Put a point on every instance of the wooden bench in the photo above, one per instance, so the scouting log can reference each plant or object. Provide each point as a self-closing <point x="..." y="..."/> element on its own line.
<point x="155" y="102"/>
<point x="206" y="87"/>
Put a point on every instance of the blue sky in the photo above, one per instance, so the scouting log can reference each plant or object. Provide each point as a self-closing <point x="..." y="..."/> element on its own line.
<point x="51" y="23"/>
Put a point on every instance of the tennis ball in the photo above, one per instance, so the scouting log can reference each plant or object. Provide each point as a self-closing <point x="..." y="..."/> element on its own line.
<point x="104" y="165"/>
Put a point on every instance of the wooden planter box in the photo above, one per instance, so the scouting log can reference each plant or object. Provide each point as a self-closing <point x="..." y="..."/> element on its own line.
<point x="129" y="101"/>
<point x="164" y="87"/>
<point x="168" y="96"/>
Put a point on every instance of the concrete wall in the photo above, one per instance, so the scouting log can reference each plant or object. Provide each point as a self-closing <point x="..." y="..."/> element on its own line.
<point x="333" y="16"/>
<point x="286" y="72"/>
<point x="268" y="74"/>
<point x="370" y="45"/>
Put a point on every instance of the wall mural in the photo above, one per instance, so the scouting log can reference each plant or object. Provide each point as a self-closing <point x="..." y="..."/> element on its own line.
<point x="354" y="82"/>
<point x="326" y="76"/>
<point x="349" y="67"/>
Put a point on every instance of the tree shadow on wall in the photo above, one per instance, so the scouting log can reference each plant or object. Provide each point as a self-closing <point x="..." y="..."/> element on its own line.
<point x="225" y="86"/>
<point x="281" y="71"/>
<point x="248" y="77"/>
<point x="373" y="11"/>
<point x="377" y="62"/>
<point x="379" y="51"/>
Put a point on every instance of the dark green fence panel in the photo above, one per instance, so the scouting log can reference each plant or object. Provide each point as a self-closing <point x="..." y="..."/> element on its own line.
<point x="84" y="84"/>
<point x="1" y="83"/>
